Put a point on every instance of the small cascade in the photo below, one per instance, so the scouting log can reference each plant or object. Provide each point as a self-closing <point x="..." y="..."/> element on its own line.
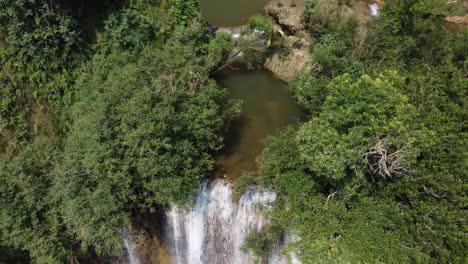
<point x="248" y="218"/>
<point x="129" y="248"/>
<point x="235" y="32"/>
<point x="374" y="9"/>
<point x="213" y="230"/>
<point x="291" y="238"/>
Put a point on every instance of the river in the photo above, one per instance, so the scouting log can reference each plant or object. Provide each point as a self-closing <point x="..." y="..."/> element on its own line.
<point x="267" y="107"/>
<point x="229" y="13"/>
<point x="213" y="228"/>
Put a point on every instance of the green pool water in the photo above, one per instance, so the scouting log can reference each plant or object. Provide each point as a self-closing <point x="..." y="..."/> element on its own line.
<point x="225" y="13"/>
<point x="267" y="108"/>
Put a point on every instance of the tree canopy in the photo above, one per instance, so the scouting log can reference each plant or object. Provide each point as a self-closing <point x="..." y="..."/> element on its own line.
<point x="109" y="114"/>
<point x="106" y="130"/>
<point x="378" y="172"/>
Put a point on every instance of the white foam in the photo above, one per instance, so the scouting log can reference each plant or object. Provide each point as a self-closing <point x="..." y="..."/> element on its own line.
<point x="374" y="9"/>
<point x="129" y="247"/>
<point x="215" y="228"/>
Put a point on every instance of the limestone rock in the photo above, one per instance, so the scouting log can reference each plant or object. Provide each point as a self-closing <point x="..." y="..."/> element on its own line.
<point x="287" y="13"/>
<point x="462" y="20"/>
<point x="289" y="17"/>
<point x="288" y="66"/>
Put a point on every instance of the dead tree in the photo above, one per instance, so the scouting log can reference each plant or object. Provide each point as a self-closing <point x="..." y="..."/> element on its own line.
<point x="254" y="42"/>
<point x="382" y="161"/>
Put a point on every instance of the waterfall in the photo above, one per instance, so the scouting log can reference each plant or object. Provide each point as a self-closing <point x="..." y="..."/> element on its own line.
<point x="248" y="218"/>
<point x="213" y="230"/>
<point x="235" y="32"/>
<point x="129" y="248"/>
<point x="374" y="9"/>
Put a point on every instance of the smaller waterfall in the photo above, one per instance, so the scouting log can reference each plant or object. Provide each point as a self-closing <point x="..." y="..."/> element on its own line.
<point x="374" y="9"/>
<point x="248" y="219"/>
<point x="129" y="248"/>
<point x="235" y="32"/>
<point x="214" y="229"/>
<point x="291" y="238"/>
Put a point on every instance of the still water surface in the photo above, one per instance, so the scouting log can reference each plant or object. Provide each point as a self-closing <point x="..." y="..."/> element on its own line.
<point x="225" y="13"/>
<point x="267" y="108"/>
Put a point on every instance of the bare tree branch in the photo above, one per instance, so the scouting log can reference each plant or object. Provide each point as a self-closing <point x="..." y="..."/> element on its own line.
<point x="386" y="164"/>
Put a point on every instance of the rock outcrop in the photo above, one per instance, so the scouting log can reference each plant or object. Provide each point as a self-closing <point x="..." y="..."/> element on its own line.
<point x="287" y="13"/>
<point x="461" y="20"/>
<point x="294" y="57"/>
<point x="296" y="60"/>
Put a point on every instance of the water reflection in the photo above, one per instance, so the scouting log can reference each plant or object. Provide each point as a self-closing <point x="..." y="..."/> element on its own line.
<point x="230" y="12"/>
<point x="267" y="107"/>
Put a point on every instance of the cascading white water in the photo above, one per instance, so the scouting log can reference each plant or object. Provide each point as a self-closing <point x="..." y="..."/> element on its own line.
<point x="291" y="238"/>
<point x="374" y="9"/>
<point x="214" y="229"/>
<point x="129" y="247"/>
<point x="235" y="32"/>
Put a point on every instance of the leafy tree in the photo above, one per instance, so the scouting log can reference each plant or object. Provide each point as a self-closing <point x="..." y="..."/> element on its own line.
<point x="129" y="30"/>
<point x="377" y="175"/>
<point x="355" y="115"/>
<point x="144" y="120"/>
<point x="411" y="31"/>
<point x="243" y="184"/>
<point x="43" y="45"/>
<point x="310" y="92"/>
<point x="332" y="57"/>
<point x="331" y="229"/>
<point x="257" y="242"/>
<point x="42" y="48"/>
<point x="142" y="133"/>
<point x="261" y="24"/>
<point x="181" y="12"/>
<point x="341" y="208"/>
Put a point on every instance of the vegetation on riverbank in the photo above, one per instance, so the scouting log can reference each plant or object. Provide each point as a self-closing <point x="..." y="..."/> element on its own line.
<point x="378" y="174"/>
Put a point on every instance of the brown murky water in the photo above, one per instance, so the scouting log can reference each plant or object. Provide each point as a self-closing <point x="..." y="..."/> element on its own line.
<point x="227" y="13"/>
<point x="267" y="108"/>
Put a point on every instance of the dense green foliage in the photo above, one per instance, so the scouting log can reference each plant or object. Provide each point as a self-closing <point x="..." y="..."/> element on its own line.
<point x="378" y="173"/>
<point x="42" y="46"/>
<point x="30" y="216"/>
<point x="108" y="129"/>
<point x="107" y="116"/>
<point x="141" y="136"/>
<point x="243" y="184"/>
